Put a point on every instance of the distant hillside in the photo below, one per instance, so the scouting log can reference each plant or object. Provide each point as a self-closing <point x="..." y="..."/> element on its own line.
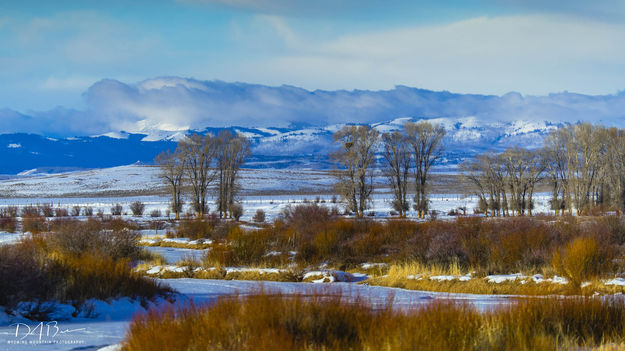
<point x="306" y="147"/>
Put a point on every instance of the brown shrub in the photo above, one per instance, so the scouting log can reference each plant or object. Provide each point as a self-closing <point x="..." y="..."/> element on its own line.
<point x="61" y="212"/>
<point x="35" y="224"/>
<point x="116" y="210"/>
<point x="196" y="228"/>
<point x="25" y="274"/>
<point x="307" y="220"/>
<point x="137" y="208"/>
<point x="46" y="210"/>
<point x="75" y="238"/>
<point x="259" y="216"/>
<point x="75" y="212"/>
<point x="8" y="222"/>
<point x="243" y="248"/>
<point x="30" y="211"/>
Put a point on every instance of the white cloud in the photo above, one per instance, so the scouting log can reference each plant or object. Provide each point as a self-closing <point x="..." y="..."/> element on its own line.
<point x="178" y="104"/>
<point x="175" y="103"/>
<point x="534" y="54"/>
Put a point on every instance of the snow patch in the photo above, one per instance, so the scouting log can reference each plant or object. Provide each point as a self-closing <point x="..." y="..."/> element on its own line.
<point x="616" y="281"/>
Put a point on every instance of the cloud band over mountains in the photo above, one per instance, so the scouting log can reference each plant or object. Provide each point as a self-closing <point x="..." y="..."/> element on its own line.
<point x="173" y="103"/>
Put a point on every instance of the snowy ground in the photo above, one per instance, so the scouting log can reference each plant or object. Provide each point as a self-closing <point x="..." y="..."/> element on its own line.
<point x="137" y="180"/>
<point x="109" y="327"/>
<point x="267" y="189"/>
<point x="271" y="204"/>
<point x="174" y="255"/>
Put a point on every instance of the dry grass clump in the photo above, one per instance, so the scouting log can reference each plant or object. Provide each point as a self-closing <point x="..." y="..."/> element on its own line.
<point x="77" y="262"/>
<point x="326" y="322"/>
<point x="181" y="245"/>
<point x="102" y="277"/>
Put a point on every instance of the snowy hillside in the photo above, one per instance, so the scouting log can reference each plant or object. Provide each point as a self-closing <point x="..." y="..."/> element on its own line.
<point x="305" y="147"/>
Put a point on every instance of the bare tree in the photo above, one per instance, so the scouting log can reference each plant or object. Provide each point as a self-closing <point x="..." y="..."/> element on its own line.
<point x="397" y="159"/>
<point x="584" y="156"/>
<point x="536" y="165"/>
<point x="356" y="157"/>
<point x="524" y="169"/>
<point x="172" y="167"/>
<point x="475" y="171"/>
<point x="613" y="169"/>
<point x="199" y="152"/>
<point x="556" y="155"/>
<point x="231" y="154"/>
<point x="487" y="173"/>
<point x="426" y="141"/>
<point x="507" y="180"/>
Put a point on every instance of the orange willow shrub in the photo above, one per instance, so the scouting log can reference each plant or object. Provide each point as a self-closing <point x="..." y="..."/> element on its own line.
<point x="580" y="260"/>
<point x="325" y="321"/>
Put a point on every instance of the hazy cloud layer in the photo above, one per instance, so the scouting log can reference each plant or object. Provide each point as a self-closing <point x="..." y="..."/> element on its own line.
<point x="173" y="103"/>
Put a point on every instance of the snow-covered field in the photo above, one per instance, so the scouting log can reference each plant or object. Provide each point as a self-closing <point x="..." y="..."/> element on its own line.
<point x="267" y="189"/>
<point x="273" y="205"/>
<point x="109" y="325"/>
<point x="139" y="179"/>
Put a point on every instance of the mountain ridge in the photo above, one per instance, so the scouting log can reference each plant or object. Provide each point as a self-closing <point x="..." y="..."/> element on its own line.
<point x="307" y="147"/>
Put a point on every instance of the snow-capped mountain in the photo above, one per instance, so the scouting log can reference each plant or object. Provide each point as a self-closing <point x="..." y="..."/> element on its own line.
<point x="306" y="147"/>
<point x="123" y="123"/>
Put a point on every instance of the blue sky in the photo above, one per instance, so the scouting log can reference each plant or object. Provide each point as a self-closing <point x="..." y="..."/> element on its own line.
<point x="51" y="52"/>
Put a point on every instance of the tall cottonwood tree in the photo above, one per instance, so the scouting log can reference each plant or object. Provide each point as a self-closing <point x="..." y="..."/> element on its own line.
<point x="198" y="153"/>
<point x="585" y="157"/>
<point x="613" y="170"/>
<point x="356" y="159"/>
<point x="426" y="141"/>
<point x="397" y="161"/>
<point x="556" y="160"/>
<point x="231" y="154"/>
<point x="172" y="167"/>
<point x="578" y="162"/>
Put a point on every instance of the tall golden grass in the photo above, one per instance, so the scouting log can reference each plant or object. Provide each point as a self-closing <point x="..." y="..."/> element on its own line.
<point x="322" y="322"/>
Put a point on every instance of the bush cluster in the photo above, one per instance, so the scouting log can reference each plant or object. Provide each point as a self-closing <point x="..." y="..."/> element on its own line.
<point x="73" y="262"/>
<point x="576" y="248"/>
<point x="320" y="322"/>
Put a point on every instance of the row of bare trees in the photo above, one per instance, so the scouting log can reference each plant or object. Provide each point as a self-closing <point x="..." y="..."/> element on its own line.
<point x="408" y="152"/>
<point x="587" y="168"/>
<point x="197" y="164"/>
<point x="506" y="181"/>
<point x="583" y="163"/>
